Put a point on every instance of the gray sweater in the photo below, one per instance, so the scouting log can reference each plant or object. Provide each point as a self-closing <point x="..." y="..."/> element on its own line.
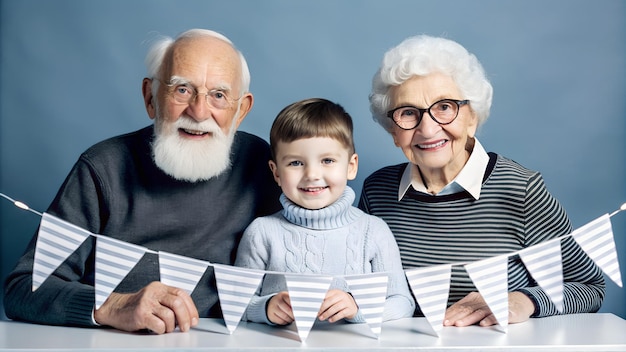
<point x="115" y="189"/>
<point x="337" y="240"/>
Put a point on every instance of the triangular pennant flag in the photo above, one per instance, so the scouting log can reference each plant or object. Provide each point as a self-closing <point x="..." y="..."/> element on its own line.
<point x="306" y="293"/>
<point x="491" y="279"/>
<point x="370" y="292"/>
<point x="235" y="288"/>
<point x="114" y="259"/>
<point x="543" y="262"/>
<point x="181" y="272"/>
<point x="596" y="239"/>
<point x="431" y="288"/>
<point x="56" y="240"/>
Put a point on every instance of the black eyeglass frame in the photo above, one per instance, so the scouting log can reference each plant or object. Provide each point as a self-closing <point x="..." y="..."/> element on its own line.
<point x="458" y="103"/>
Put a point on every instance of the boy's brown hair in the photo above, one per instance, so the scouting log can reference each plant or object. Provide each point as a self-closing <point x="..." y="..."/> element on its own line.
<point x="315" y="117"/>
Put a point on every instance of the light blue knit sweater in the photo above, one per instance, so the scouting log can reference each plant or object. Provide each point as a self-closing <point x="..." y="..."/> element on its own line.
<point x="338" y="240"/>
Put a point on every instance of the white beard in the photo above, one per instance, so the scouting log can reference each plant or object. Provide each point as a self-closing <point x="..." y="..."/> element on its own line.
<point x="191" y="160"/>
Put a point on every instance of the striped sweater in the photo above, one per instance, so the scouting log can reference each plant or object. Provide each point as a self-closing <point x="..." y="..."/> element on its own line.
<point x="514" y="211"/>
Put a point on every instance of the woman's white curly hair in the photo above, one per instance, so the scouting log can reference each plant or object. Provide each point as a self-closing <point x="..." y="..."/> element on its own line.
<point x="421" y="55"/>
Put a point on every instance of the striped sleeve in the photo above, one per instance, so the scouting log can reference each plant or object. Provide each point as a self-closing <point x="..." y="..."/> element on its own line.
<point x="583" y="283"/>
<point x="514" y="211"/>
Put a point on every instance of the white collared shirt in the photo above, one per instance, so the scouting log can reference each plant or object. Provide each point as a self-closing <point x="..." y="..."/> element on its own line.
<point x="469" y="179"/>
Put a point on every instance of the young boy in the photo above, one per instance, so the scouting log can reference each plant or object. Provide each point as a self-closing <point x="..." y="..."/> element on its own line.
<point x="318" y="231"/>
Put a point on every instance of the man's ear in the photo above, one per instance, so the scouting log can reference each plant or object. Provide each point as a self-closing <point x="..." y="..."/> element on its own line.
<point x="148" y="98"/>
<point x="246" y="102"/>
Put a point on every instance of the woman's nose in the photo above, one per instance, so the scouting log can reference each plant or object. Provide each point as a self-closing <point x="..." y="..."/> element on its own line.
<point x="428" y="127"/>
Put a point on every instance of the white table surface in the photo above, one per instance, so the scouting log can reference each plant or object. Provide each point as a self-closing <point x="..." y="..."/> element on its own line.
<point x="577" y="332"/>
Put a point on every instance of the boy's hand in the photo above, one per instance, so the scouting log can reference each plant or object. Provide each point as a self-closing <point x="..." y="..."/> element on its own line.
<point x="279" y="309"/>
<point x="337" y="305"/>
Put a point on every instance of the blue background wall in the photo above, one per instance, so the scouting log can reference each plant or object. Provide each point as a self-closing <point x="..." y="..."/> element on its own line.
<point x="71" y="74"/>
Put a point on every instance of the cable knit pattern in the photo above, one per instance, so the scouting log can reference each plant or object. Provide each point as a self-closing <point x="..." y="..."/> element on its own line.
<point x="337" y="240"/>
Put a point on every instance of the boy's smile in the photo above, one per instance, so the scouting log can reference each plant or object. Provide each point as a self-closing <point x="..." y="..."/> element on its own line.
<point x="313" y="172"/>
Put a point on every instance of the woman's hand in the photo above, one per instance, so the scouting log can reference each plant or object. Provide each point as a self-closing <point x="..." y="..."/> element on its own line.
<point x="337" y="305"/>
<point x="472" y="309"/>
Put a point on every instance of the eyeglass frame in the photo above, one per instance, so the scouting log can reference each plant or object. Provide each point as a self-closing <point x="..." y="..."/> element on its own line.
<point x="459" y="104"/>
<point x="172" y="86"/>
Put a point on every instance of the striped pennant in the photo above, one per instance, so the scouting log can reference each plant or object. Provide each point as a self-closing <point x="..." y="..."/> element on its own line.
<point x="235" y="288"/>
<point x="596" y="239"/>
<point x="490" y="278"/>
<point x="114" y="259"/>
<point x="431" y="288"/>
<point x="544" y="263"/>
<point x="181" y="272"/>
<point x="306" y="293"/>
<point x="57" y="239"/>
<point x="370" y="293"/>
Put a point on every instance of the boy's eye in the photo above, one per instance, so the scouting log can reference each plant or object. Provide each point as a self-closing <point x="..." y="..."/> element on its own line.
<point x="295" y="163"/>
<point x="327" y="161"/>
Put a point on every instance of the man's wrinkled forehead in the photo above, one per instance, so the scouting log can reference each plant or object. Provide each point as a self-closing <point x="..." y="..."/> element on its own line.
<point x="201" y="55"/>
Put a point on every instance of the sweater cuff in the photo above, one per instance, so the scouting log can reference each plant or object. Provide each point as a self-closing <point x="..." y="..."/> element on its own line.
<point x="534" y="294"/>
<point x="80" y="312"/>
<point x="257" y="310"/>
<point x="358" y="318"/>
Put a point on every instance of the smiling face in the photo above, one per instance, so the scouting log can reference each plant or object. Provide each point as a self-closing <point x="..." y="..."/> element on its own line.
<point x="193" y="139"/>
<point x="438" y="150"/>
<point x="204" y="64"/>
<point x="313" y="172"/>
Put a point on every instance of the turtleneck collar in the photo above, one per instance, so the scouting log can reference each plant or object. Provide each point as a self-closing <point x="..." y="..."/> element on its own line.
<point x="336" y="215"/>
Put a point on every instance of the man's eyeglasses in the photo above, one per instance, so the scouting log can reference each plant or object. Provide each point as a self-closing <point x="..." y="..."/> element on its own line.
<point x="442" y="112"/>
<point x="185" y="94"/>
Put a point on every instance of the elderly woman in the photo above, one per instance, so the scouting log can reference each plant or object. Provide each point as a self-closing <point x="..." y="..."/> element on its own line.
<point x="453" y="202"/>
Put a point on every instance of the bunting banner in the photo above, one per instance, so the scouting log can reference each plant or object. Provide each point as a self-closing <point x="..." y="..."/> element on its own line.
<point x="114" y="260"/>
<point x="235" y="288"/>
<point x="596" y="239"/>
<point x="370" y="293"/>
<point x="182" y="272"/>
<point x="56" y="240"/>
<point x="431" y="288"/>
<point x="491" y="279"/>
<point x="544" y="264"/>
<point x="306" y="293"/>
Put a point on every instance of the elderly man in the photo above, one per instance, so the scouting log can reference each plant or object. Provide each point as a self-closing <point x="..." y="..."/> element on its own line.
<point x="188" y="185"/>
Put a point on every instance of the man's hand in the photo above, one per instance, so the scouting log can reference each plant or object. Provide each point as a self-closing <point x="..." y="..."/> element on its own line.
<point x="337" y="305"/>
<point x="279" y="309"/>
<point x="156" y="307"/>
<point x="472" y="309"/>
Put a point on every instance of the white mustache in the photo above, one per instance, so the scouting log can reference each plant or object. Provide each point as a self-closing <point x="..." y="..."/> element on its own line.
<point x="187" y="123"/>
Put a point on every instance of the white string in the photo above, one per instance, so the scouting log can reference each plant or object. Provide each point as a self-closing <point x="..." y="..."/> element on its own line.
<point x="19" y="204"/>
<point x="23" y="206"/>
<point x="622" y="208"/>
